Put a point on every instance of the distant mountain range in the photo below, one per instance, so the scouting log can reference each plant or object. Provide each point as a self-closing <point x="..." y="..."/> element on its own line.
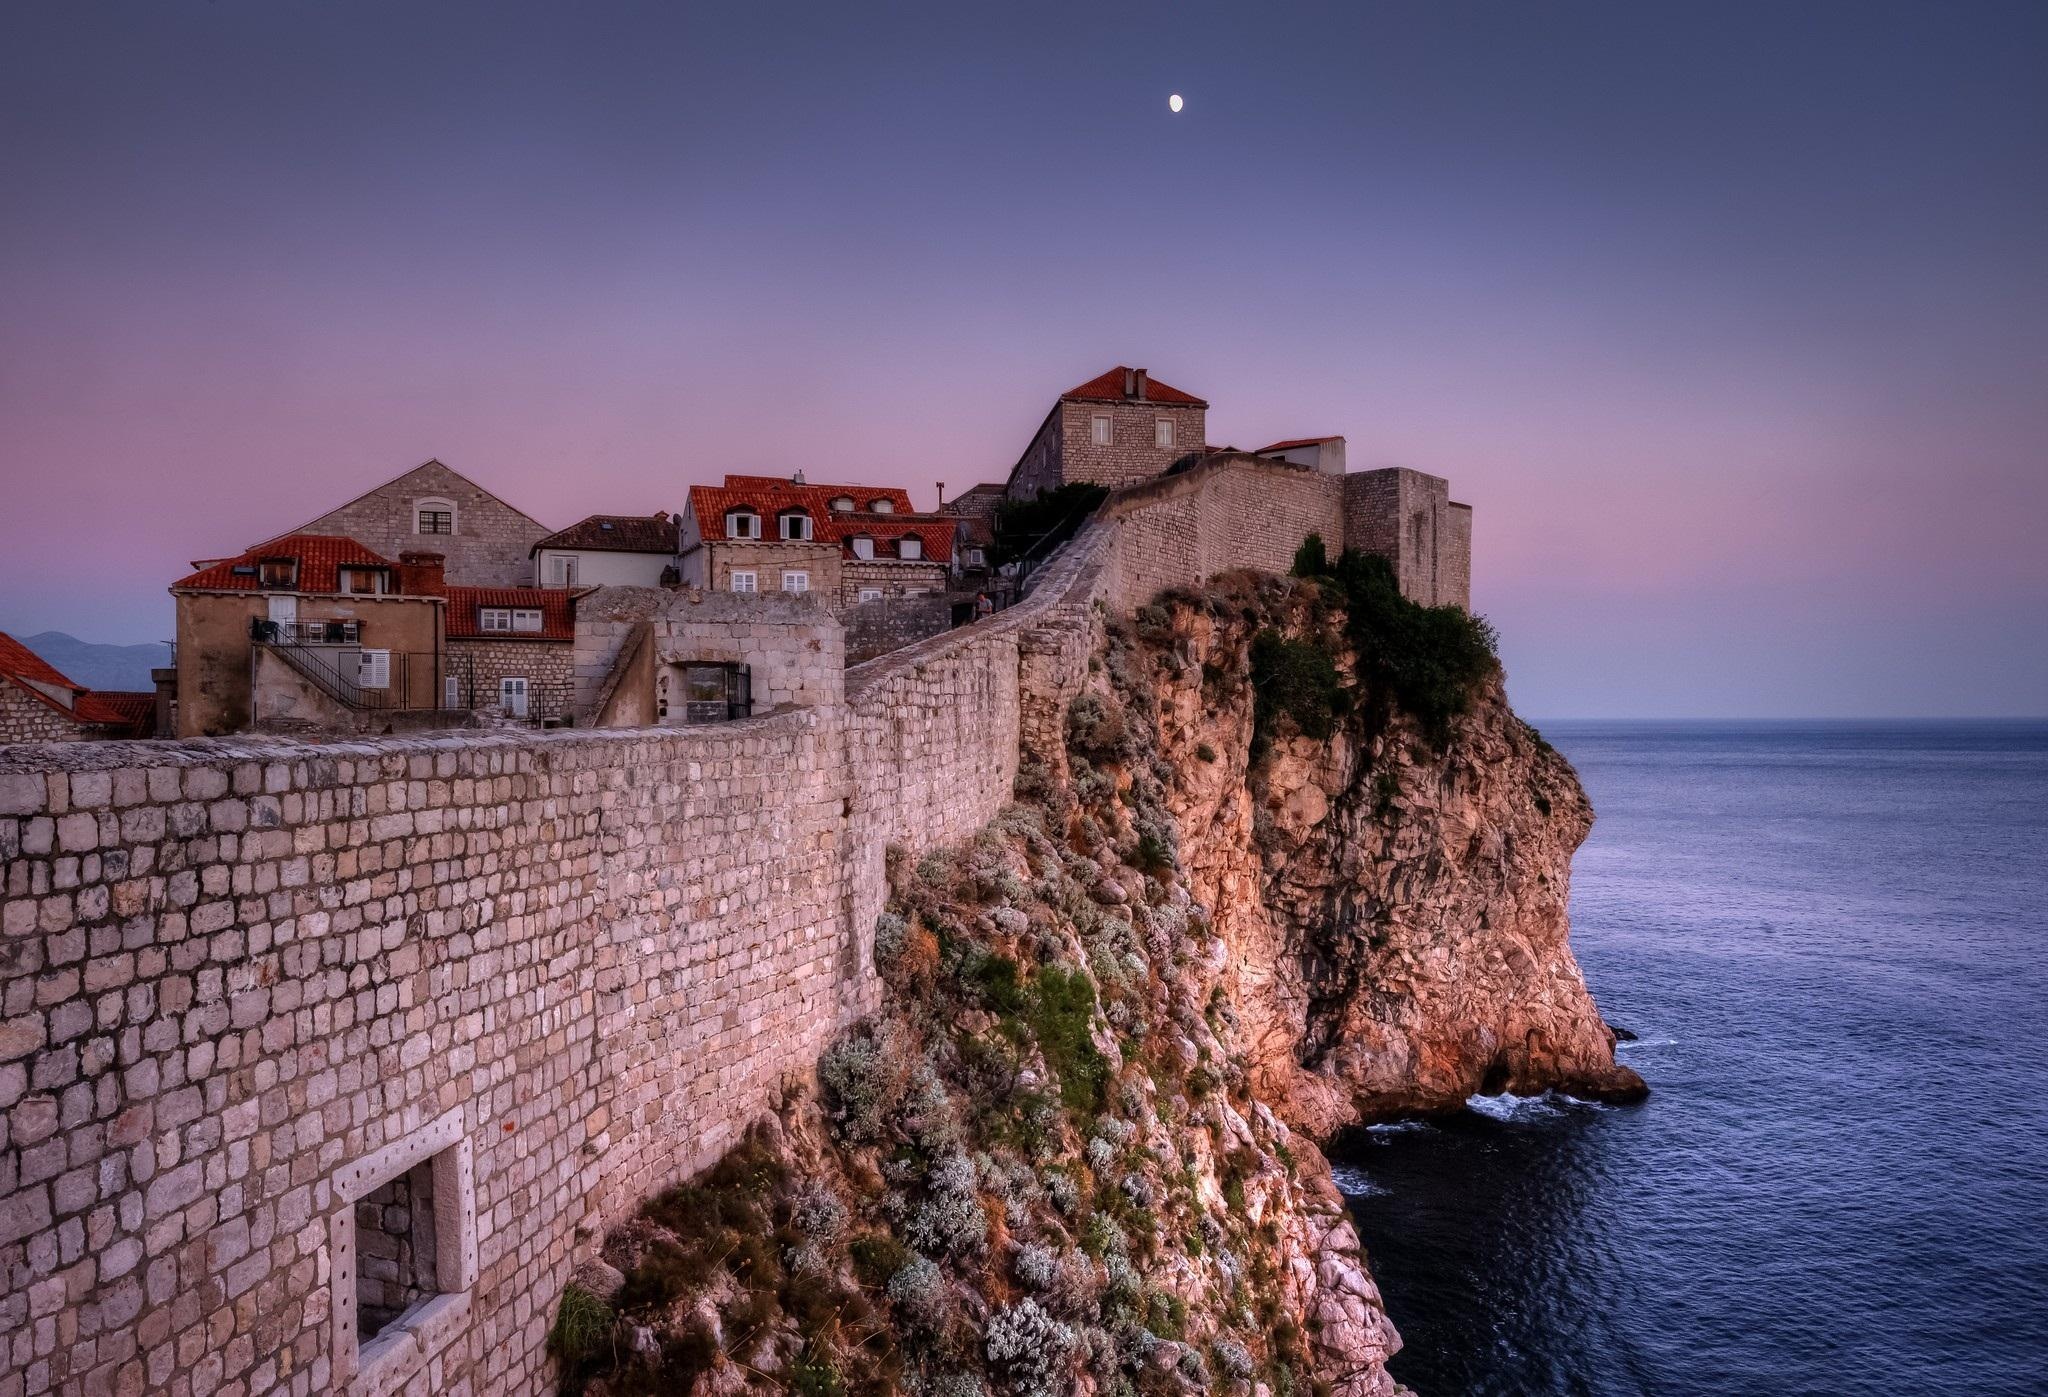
<point x="100" y="666"/>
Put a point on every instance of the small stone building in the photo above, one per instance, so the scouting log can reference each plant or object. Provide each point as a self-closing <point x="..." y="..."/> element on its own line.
<point x="485" y="541"/>
<point x="509" y="651"/>
<point x="1116" y="429"/>
<point x="38" y="703"/>
<point x="846" y="544"/>
<point x="646" y="656"/>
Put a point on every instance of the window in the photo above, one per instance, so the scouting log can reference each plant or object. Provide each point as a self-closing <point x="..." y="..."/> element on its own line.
<point x="494" y="618"/>
<point x="743" y="581"/>
<point x="910" y="546"/>
<point x="525" y="619"/>
<point x="796" y="525"/>
<point x="561" y="570"/>
<point x="283" y="610"/>
<point x="403" y="1243"/>
<point x="882" y="505"/>
<point x="742" y="523"/>
<point x="863" y="546"/>
<point x="373" y="669"/>
<point x="1098" y="429"/>
<point x="716" y="693"/>
<point x="796" y="582"/>
<point x="512" y="696"/>
<point x="871" y="594"/>
<point x="451" y="692"/>
<point x="842" y="504"/>
<point x="1162" y="434"/>
<point x="363" y="581"/>
<point x="433" y="517"/>
<point x="277" y="572"/>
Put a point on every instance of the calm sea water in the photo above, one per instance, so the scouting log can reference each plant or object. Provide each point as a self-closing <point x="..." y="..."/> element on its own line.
<point x="1833" y="941"/>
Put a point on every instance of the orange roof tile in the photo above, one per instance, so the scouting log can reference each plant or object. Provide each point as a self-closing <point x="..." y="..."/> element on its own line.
<point x="321" y="558"/>
<point x="1109" y="388"/>
<point x="557" y="607"/>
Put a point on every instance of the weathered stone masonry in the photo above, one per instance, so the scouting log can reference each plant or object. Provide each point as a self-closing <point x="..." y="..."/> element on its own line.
<point x="244" y="984"/>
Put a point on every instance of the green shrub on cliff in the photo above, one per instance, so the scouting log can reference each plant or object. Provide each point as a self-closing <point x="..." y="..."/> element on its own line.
<point x="1295" y="680"/>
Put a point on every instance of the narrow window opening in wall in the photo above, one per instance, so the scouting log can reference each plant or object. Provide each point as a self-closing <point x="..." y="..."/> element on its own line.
<point x="1098" y="429"/>
<point x="1162" y="433"/>
<point x="395" y="1250"/>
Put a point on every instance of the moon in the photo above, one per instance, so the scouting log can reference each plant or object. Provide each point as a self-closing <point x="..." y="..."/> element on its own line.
<point x="1173" y="103"/>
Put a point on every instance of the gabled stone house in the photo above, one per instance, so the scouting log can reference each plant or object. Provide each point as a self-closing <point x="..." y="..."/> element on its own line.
<point x="432" y="508"/>
<point x="846" y="544"/>
<point x="1116" y="429"/>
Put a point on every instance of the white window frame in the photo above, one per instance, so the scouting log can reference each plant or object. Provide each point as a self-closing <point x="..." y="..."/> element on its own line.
<point x="796" y="580"/>
<point x="863" y="546"/>
<point x="494" y="619"/>
<point x="794" y="526"/>
<point x="1100" y="431"/>
<point x="910" y="548"/>
<point x="562" y="570"/>
<point x="742" y="523"/>
<point x="842" y="504"/>
<point x="451" y="692"/>
<point x="881" y="504"/>
<point x="513" y="692"/>
<point x="1162" y="433"/>
<point x="525" y="618"/>
<point x="868" y="594"/>
<point x="436" y="505"/>
<point x="373" y="669"/>
<point x="283" y="610"/>
<point x="408" y="1343"/>
<point x="743" y="580"/>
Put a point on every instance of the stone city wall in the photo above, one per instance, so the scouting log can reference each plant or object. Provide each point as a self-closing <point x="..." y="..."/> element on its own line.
<point x="246" y="984"/>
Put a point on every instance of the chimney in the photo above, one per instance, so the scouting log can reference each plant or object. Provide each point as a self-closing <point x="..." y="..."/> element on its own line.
<point x="1130" y="383"/>
<point x="797" y="479"/>
<point x="1139" y="376"/>
<point x="422" y="575"/>
<point x="942" y="494"/>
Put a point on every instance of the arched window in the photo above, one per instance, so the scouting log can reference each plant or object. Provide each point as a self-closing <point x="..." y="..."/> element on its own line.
<point x="433" y="516"/>
<point x="882" y="505"/>
<point x="842" y="504"/>
<point x="742" y="523"/>
<point x="910" y="546"/>
<point x="796" y="525"/>
<point x="863" y="546"/>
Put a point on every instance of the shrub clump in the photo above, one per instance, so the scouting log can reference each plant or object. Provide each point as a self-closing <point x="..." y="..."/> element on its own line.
<point x="1295" y="680"/>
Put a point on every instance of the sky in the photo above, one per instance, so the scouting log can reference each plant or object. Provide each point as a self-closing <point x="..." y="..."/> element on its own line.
<point x="1729" y="320"/>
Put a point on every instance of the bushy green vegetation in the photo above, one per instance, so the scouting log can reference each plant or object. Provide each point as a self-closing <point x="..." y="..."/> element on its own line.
<point x="1294" y="680"/>
<point x="1020" y="525"/>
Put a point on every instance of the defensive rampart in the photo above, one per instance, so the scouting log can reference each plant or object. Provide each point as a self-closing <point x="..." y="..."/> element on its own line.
<point x="288" y="1030"/>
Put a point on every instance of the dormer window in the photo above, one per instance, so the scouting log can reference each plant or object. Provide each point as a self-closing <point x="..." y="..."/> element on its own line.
<point x="433" y="517"/>
<point x="367" y="582"/>
<point x="863" y="546"/>
<point x="494" y="618"/>
<point x="277" y="572"/>
<point x="883" y="505"/>
<point x="910" y="546"/>
<point x="796" y="525"/>
<point x="742" y="523"/>
<point x="842" y="504"/>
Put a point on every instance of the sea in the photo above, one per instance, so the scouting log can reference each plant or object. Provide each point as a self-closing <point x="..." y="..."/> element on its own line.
<point x="1831" y="940"/>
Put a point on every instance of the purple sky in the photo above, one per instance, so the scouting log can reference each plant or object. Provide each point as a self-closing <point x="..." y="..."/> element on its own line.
<point x="1731" y="322"/>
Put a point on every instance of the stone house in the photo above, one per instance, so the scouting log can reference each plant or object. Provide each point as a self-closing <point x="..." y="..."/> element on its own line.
<point x="611" y="550"/>
<point x="509" y="650"/>
<point x="307" y="631"/>
<point x="846" y="544"/>
<point x="38" y="703"/>
<point x="1116" y="429"/>
<point x="486" y="542"/>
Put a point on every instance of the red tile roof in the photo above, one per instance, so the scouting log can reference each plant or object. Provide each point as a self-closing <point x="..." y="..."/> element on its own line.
<point x="615" y="533"/>
<point x="133" y="714"/>
<point x="18" y="661"/>
<point x="1109" y="388"/>
<point x="769" y="496"/>
<point x="1294" y="443"/>
<point x="557" y="607"/>
<point x="321" y="558"/>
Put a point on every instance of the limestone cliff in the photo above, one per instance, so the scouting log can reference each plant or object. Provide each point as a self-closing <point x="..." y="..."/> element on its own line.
<point x="1394" y="902"/>
<point x="1234" y="910"/>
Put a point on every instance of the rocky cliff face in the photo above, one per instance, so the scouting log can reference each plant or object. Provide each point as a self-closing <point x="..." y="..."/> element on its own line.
<point x="1075" y="1152"/>
<point x="1395" y="905"/>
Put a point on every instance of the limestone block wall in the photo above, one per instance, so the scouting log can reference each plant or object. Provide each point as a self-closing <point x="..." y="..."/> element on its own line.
<point x="1228" y="512"/>
<point x="794" y="650"/>
<point x="492" y="542"/>
<point x="1408" y="516"/>
<point x="26" y="718"/>
<point x="891" y="622"/>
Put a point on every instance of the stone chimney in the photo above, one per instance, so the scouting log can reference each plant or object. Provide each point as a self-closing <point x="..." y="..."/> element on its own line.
<point x="1130" y="383"/>
<point x="1138" y="375"/>
<point x="422" y="575"/>
<point x="942" y="494"/>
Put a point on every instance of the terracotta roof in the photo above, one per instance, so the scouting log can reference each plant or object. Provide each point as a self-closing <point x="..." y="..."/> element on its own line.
<point x="1294" y="443"/>
<point x="321" y="558"/>
<point x="615" y="533"/>
<point x="1109" y="388"/>
<point x="557" y="607"/>
<point x="18" y="661"/>
<point x="769" y="496"/>
<point x="133" y="714"/>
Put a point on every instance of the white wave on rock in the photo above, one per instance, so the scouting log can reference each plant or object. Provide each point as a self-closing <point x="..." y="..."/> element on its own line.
<point x="1354" y="1182"/>
<point x="1526" y="1110"/>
